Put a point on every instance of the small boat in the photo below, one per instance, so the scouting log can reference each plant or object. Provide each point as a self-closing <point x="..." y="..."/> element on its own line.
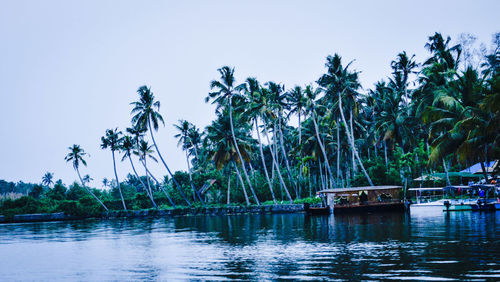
<point x="364" y="199"/>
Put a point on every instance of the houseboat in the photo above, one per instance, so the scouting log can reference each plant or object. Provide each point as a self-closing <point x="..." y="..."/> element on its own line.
<point x="364" y="199"/>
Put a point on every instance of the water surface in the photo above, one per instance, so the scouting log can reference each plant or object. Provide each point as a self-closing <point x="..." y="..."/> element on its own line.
<point x="425" y="245"/>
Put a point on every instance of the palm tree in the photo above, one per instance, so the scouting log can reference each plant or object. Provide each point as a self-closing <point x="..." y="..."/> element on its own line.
<point x="105" y="182"/>
<point x="225" y="90"/>
<point x="341" y="82"/>
<point x="457" y="124"/>
<point x="311" y="95"/>
<point x="278" y="103"/>
<point x="184" y="128"/>
<point x="112" y="140"/>
<point x="144" y="152"/>
<point x="194" y="137"/>
<point x="222" y="147"/>
<point x="257" y="108"/>
<point x="76" y="156"/>
<point x="47" y="179"/>
<point x="87" y="179"/>
<point x="127" y="148"/>
<point x="405" y="66"/>
<point x="147" y="116"/>
<point x="297" y="102"/>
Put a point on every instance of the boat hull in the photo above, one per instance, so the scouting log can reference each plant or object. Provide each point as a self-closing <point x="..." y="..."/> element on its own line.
<point x="378" y="207"/>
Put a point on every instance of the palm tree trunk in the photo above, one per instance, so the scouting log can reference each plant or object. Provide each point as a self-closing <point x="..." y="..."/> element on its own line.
<point x="149" y="185"/>
<point x="229" y="188"/>
<point x="351" y="140"/>
<point x="165" y="164"/>
<point x="190" y="176"/>
<point x="313" y="116"/>
<point x="321" y="175"/>
<point x="263" y="160"/>
<point x="385" y="155"/>
<point x="241" y="181"/>
<point x="160" y="186"/>
<point x="89" y="191"/>
<point x="338" y="154"/>
<point x="239" y="153"/>
<point x="446" y="172"/>
<point x="283" y="152"/>
<point x="354" y="169"/>
<point x="276" y="166"/>
<point x="485" y="172"/>
<point x="118" y="182"/>
<point x="195" y="191"/>
<point x="140" y="180"/>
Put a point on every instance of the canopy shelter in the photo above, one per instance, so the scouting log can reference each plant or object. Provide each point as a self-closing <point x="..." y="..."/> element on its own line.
<point x="439" y="176"/>
<point x="475" y="169"/>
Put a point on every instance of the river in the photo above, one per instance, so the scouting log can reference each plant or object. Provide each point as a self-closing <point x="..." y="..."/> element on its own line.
<point x="424" y="245"/>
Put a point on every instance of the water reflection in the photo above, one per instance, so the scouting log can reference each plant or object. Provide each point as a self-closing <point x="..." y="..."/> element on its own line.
<point x="424" y="245"/>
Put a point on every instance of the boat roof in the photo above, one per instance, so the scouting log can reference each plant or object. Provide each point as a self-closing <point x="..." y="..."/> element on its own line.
<point x="354" y="189"/>
<point x="426" y="189"/>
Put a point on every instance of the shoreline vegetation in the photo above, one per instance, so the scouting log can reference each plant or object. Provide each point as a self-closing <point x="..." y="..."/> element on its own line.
<point x="270" y="144"/>
<point x="156" y="213"/>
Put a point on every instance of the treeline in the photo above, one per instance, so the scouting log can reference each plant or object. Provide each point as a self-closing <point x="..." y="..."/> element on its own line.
<point x="270" y="143"/>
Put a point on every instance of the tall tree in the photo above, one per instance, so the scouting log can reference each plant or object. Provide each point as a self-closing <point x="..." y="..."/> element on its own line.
<point x="225" y="90"/>
<point x="257" y="108"/>
<point x="144" y="152"/>
<point x="341" y="82"/>
<point x="76" y="157"/>
<point x="112" y="140"/>
<point x="47" y="179"/>
<point x="146" y="115"/>
<point x="127" y="148"/>
<point x="184" y="128"/>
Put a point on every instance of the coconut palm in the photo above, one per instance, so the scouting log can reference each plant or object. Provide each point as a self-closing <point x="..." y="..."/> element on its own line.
<point x="76" y="156"/>
<point x="341" y="82"/>
<point x="144" y="152"/>
<point x="277" y="97"/>
<point x="297" y="103"/>
<point x="127" y="148"/>
<point x="184" y="128"/>
<point x="257" y="108"/>
<point x="87" y="179"/>
<point x="225" y="90"/>
<point x="222" y="146"/>
<point x="194" y="137"/>
<point x="146" y="116"/>
<point x="105" y="182"/>
<point x="311" y="95"/>
<point x="47" y="179"/>
<point x="112" y="140"/>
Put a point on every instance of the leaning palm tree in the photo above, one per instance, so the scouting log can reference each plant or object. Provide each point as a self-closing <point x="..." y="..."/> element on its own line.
<point x="127" y="147"/>
<point x="341" y="83"/>
<point x="146" y="116"/>
<point x="47" y="178"/>
<point x="184" y="128"/>
<point x="76" y="156"/>
<point x="222" y="148"/>
<point x="225" y="90"/>
<point x="311" y="95"/>
<point x="112" y="140"/>
<point x="256" y="108"/>
<point x="144" y="152"/>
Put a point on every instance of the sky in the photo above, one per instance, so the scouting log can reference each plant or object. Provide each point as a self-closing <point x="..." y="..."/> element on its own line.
<point x="70" y="69"/>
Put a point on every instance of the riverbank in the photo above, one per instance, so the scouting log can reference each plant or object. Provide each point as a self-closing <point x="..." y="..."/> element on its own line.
<point x="231" y="210"/>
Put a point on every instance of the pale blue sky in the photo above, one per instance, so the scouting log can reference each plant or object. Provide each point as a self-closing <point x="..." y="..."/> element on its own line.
<point x="69" y="69"/>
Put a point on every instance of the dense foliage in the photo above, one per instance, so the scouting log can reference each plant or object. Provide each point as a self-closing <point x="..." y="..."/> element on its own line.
<point x="270" y="144"/>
